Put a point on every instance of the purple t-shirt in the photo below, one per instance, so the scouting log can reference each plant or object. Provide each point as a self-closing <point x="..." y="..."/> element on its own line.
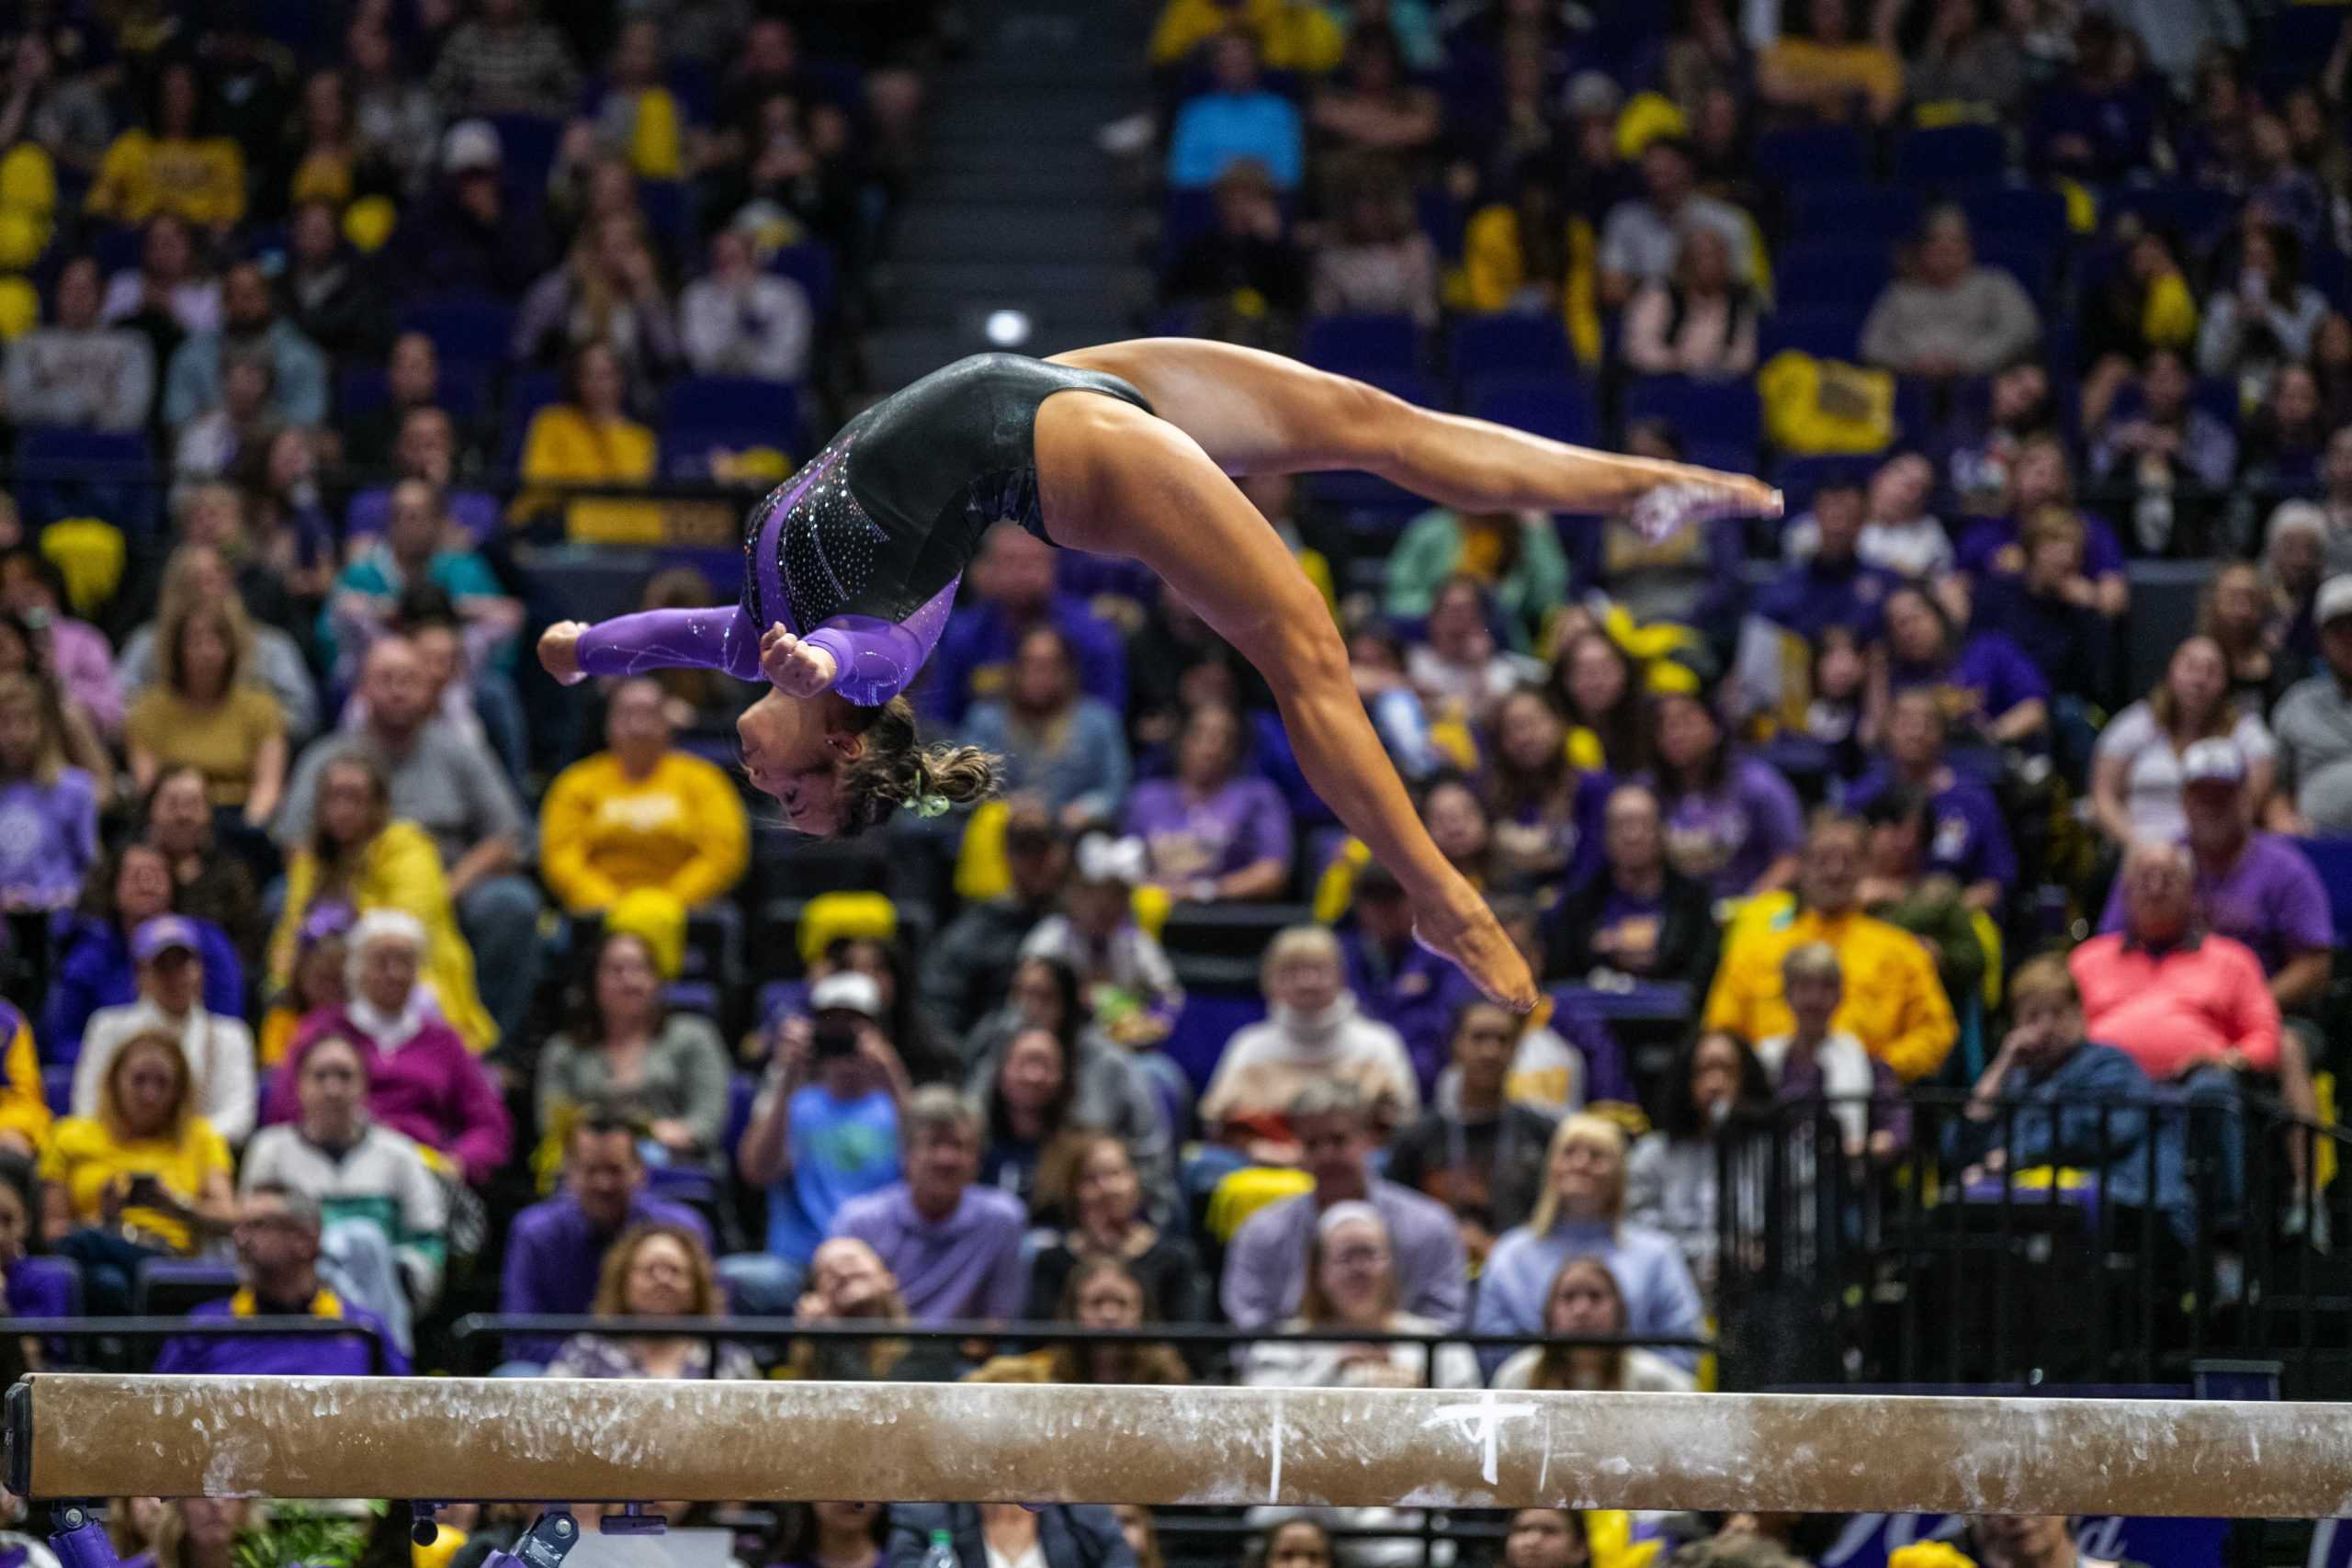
<point x="2102" y="555"/>
<point x="1241" y="824"/>
<point x="554" y="1252"/>
<point x="1968" y="840"/>
<point x="306" y="1355"/>
<point x="37" y="1286"/>
<point x="1726" y="837"/>
<point x="48" y="838"/>
<point x="967" y="1266"/>
<point x="2272" y="900"/>
<point x="1989" y="665"/>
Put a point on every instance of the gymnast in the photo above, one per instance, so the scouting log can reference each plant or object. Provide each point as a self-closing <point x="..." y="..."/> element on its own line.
<point x="851" y="568"/>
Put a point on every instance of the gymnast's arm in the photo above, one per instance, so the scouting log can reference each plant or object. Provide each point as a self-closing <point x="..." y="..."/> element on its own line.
<point x="719" y="637"/>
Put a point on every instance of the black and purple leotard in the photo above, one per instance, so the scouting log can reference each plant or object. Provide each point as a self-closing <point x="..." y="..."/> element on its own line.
<point x="859" y="553"/>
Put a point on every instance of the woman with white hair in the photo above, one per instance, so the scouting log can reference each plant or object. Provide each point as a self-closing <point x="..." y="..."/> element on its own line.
<point x="420" y="1079"/>
<point x="1312" y="1032"/>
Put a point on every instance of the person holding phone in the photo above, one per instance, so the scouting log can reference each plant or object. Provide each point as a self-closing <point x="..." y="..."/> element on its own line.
<point x="143" y="1177"/>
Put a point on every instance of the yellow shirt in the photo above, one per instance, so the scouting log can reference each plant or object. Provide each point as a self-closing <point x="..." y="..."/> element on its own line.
<point x="1853" y="67"/>
<point x="222" y="741"/>
<point x="1895" y="1004"/>
<point x="1292" y="34"/>
<point x="203" y="182"/>
<point x="84" y="1160"/>
<point x="23" y="1108"/>
<point x="680" y="829"/>
<point x="564" y="446"/>
<point x="400" y="869"/>
<point x="1494" y="271"/>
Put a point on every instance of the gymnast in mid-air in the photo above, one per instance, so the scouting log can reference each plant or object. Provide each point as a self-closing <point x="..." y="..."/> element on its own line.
<point x="851" y="568"/>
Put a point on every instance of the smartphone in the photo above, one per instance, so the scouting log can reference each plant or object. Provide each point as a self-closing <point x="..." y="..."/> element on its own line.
<point x="146" y="1192"/>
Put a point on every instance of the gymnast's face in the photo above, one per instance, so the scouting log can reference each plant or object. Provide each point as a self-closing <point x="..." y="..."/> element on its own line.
<point x="791" y="751"/>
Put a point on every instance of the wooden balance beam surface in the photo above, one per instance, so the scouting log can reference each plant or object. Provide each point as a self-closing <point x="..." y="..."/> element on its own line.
<point x="489" y="1439"/>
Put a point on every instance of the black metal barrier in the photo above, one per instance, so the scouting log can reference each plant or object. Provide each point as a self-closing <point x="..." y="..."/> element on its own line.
<point x="149" y="1330"/>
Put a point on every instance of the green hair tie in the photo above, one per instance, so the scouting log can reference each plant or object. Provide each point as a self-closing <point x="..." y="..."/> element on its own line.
<point x="928" y="806"/>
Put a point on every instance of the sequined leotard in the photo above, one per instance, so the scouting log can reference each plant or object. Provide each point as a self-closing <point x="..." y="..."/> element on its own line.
<point x="859" y="553"/>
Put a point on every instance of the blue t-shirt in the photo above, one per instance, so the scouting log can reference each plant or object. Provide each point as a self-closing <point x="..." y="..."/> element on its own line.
<point x="840" y="1149"/>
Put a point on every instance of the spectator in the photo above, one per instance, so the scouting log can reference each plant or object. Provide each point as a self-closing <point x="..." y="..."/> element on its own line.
<point x="49" y="812"/>
<point x="2048" y="610"/>
<point x="1582" y="1213"/>
<point x="1894" y="1003"/>
<point x="1598" y="689"/>
<point x="2285" y="438"/>
<point x="1635" y="914"/>
<point x="64" y="113"/>
<point x="971" y="962"/>
<point x="26" y="1289"/>
<point x="1115" y="1091"/>
<point x="1829" y="583"/>
<point x="555" y="1248"/>
<point x="736" y="319"/>
<point x="1213" y="834"/>
<point x="1053" y="1535"/>
<point x="393" y="117"/>
<point x="359" y="858"/>
<point x="849" y="1284"/>
<point x="145" y="1176"/>
<point x="421" y="1079"/>
<point x="225" y="434"/>
<point x="1967" y="60"/>
<point x="640" y="816"/>
<point x="1699" y="321"/>
<point x="1237" y="118"/>
<point x="1313" y="1033"/>
<point x="2174" y="456"/>
<point x="81" y="373"/>
<point x="368" y="1181"/>
<point x="2315" y="728"/>
<point x="1102" y="1293"/>
<point x="167" y="295"/>
<point x="1732" y="822"/>
<point x="1814" y="1063"/>
<point x="504" y="61"/>
<point x="412" y="381"/>
<point x="219" y="1050"/>
<point x="419" y="547"/>
<point x="608" y="291"/>
<point x="92" y="967"/>
<point x="2099" y="124"/>
<point x="24" y="1112"/>
<point x="207" y="714"/>
<point x="1269" y="1261"/>
<point x="76" y="653"/>
<point x="2138" y="769"/>
<point x="1395" y="982"/>
<point x="589" y="439"/>
<point x="1011" y="584"/>
<point x="1645" y="234"/>
<point x="1983" y="677"/>
<point x="454" y="790"/>
<point x="291" y="534"/>
<point x="1299" y="1541"/>
<point x="1513" y="557"/>
<point x="1106" y="1220"/>
<point x="1377" y="261"/>
<point x="1478" y="1152"/>
<point x="250" y="329"/>
<point x="1370" y="110"/>
<point x="1028" y="1088"/>
<point x="1830" y="74"/>
<point x="841" y="1535"/>
<point x="653" y="1270"/>
<point x="467" y="238"/>
<point x="172" y="164"/>
<point x="954" y="1246"/>
<point x="1056" y="742"/>
<point x="1246" y="250"/>
<point x="1351" y="1282"/>
<point x="885" y="961"/>
<point x="627" y="1057"/>
<point x="1901" y="888"/>
<point x="1128" y="988"/>
<point x="1547" y="811"/>
<point x="1455" y="666"/>
<point x="326" y="294"/>
<point x="1585" y="1300"/>
<point x="2269" y="318"/>
<point x="1671" y="1173"/>
<point x="2017" y="410"/>
<point x="276" y="1235"/>
<point x="2294" y="556"/>
<point x="424" y="446"/>
<point x="1970" y="841"/>
<point x="1950" y="317"/>
<point x="637" y="116"/>
<point x="2051" y="1097"/>
<point x="200" y="574"/>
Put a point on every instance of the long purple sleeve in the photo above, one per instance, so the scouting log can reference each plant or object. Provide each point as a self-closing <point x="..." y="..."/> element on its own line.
<point x="719" y="637"/>
<point x="876" y="660"/>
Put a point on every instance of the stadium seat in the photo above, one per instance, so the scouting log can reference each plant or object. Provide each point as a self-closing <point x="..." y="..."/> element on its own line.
<point x="464" y="329"/>
<point x="728" y="412"/>
<point x="1813" y="155"/>
<point x="168" y="1287"/>
<point x="810" y="265"/>
<point x="527" y="145"/>
<point x="1851" y="215"/>
<point x="1554" y="405"/>
<point x="88" y="473"/>
<point x="1830" y="274"/>
<point x="527" y="393"/>
<point x="1951" y="155"/>
<point x="1717" y="417"/>
<point x="1509" y="344"/>
<point x="1362" y="345"/>
<point x="57" y="1088"/>
<point x="2332" y="858"/>
<point x="1826" y="331"/>
<point x="2193" y="213"/>
<point x="2010" y="213"/>
<point x="1800" y="477"/>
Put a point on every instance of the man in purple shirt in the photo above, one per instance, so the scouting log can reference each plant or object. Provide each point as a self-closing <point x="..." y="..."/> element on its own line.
<point x="1012" y="584"/>
<point x="1969" y="841"/>
<point x="1265" y="1269"/>
<point x="555" y="1248"/>
<point x="2256" y="888"/>
<point x="1833" y="587"/>
<point x="955" y="1245"/>
<point x="277" y="1254"/>
<point x="1395" y="979"/>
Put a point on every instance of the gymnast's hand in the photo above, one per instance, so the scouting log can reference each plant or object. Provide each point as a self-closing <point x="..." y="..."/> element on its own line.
<point x="794" y="667"/>
<point x="559" y="651"/>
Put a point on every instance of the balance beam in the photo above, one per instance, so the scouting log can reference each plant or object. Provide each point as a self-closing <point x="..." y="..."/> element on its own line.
<point x="87" y="1435"/>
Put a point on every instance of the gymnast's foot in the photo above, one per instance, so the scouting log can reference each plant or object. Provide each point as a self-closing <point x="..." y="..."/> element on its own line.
<point x="1466" y="933"/>
<point x="1669" y="507"/>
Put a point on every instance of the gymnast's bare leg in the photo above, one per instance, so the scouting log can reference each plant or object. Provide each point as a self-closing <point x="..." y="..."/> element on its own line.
<point x="1119" y="481"/>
